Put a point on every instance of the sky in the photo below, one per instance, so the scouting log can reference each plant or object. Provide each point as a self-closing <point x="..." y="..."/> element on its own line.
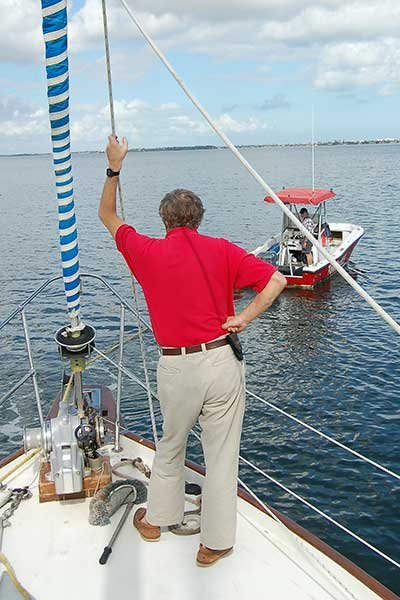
<point x="257" y="66"/>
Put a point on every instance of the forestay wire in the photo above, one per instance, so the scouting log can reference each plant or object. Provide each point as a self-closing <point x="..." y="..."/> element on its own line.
<point x="122" y="209"/>
<point x="356" y="286"/>
<point x="54" y="25"/>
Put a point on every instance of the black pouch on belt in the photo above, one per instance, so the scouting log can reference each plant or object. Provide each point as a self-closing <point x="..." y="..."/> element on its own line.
<point x="234" y="342"/>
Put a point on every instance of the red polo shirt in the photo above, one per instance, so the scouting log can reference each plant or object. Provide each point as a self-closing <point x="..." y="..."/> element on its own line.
<point x="188" y="281"/>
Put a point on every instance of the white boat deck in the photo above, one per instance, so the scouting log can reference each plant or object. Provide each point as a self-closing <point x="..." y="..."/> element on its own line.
<point x="351" y="234"/>
<point x="55" y="554"/>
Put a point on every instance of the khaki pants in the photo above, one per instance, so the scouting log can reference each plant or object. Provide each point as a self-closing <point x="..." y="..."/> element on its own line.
<point x="209" y="387"/>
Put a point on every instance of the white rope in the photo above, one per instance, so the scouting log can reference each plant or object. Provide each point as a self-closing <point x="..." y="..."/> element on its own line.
<point x="320" y="512"/>
<point x="378" y="309"/>
<point x="121" y="204"/>
<point x="327" y="437"/>
<point x="110" y="96"/>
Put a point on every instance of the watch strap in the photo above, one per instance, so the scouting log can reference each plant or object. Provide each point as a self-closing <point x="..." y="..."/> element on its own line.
<point x="111" y="173"/>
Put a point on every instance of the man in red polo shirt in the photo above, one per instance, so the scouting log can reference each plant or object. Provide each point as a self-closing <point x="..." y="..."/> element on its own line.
<point x="188" y="281"/>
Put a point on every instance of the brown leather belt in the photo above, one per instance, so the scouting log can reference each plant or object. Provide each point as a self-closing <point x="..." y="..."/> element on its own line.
<point x="193" y="349"/>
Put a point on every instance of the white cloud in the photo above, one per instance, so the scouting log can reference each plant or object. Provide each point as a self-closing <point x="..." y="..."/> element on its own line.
<point x="144" y="124"/>
<point x="350" y="43"/>
<point x="86" y="25"/>
<point x="360" y="64"/>
<point x="229" y="10"/>
<point x="319" y="29"/>
<point x="199" y="23"/>
<point x="20" y="31"/>
<point x="182" y="123"/>
<point x="352" y="20"/>
<point x="228" y="124"/>
<point x="20" y="119"/>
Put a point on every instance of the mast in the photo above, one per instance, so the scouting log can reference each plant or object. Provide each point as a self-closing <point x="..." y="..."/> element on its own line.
<point x="312" y="148"/>
<point x="54" y="25"/>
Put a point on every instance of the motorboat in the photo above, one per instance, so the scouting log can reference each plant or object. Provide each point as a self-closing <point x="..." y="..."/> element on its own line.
<point x="285" y="249"/>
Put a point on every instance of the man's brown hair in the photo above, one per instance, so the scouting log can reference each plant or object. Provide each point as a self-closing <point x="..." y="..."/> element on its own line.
<point x="181" y="208"/>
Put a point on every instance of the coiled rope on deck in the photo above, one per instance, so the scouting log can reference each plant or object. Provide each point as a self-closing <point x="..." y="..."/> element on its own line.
<point x="54" y="25"/>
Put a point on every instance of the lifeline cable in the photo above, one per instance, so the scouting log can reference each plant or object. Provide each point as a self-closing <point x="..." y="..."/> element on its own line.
<point x="324" y="435"/>
<point x="320" y="512"/>
<point x="303" y="501"/>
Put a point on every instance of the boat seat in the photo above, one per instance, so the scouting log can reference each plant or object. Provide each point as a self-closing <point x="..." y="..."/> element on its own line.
<point x="296" y="271"/>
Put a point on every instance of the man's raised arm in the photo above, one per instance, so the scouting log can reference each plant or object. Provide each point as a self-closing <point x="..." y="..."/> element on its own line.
<point x="259" y="304"/>
<point x="116" y="153"/>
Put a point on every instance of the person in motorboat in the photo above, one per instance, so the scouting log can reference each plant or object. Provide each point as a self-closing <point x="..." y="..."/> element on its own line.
<point x="306" y="245"/>
<point x="188" y="281"/>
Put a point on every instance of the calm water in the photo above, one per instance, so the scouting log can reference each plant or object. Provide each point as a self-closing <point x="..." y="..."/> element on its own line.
<point x="322" y="355"/>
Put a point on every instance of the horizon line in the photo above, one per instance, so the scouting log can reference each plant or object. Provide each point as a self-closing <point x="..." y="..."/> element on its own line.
<point x="377" y="141"/>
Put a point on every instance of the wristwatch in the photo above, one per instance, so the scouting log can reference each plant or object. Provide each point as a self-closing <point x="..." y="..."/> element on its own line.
<point x="111" y="173"/>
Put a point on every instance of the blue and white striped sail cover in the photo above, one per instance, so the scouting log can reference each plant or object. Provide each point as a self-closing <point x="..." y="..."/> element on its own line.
<point x="54" y="14"/>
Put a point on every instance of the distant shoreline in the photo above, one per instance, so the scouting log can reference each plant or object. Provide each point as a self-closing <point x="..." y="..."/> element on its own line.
<point x="211" y="147"/>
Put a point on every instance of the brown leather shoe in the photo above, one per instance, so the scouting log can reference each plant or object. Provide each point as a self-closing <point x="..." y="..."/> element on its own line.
<point x="150" y="533"/>
<point x="207" y="557"/>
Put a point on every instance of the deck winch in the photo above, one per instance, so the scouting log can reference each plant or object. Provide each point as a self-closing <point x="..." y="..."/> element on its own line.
<point x="71" y="439"/>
